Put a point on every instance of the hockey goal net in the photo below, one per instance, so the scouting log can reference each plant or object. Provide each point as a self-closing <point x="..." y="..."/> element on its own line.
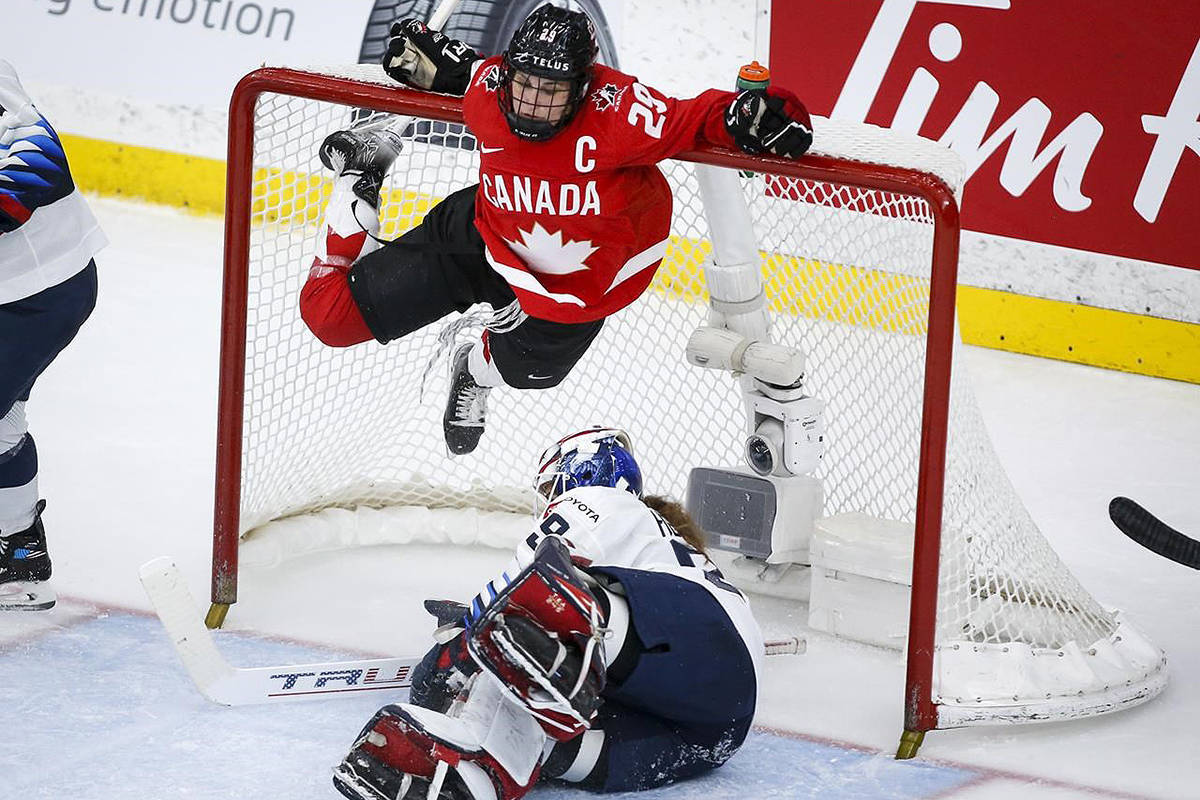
<point x="859" y="248"/>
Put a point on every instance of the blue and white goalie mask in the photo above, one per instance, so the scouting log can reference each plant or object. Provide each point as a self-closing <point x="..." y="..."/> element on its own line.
<point x="594" y="457"/>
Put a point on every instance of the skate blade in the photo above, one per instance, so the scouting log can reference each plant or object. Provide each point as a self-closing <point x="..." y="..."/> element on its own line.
<point x="26" y="596"/>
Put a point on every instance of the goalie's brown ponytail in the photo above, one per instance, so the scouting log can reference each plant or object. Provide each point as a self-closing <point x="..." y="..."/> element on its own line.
<point x="680" y="520"/>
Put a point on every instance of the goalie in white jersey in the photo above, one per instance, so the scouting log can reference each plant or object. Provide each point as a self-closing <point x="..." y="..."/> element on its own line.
<point x="611" y="654"/>
<point x="47" y="289"/>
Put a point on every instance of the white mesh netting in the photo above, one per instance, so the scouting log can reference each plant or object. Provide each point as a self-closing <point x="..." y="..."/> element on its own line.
<point x="847" y="274"/>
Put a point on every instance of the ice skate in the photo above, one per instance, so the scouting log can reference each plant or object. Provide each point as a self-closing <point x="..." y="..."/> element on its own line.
<point x="368" y="153"/>
<point x="466" y="408"/>
<point x="25" y="568"/>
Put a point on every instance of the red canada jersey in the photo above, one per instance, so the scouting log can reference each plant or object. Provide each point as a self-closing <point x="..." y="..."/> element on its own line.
<point x="577" y="224"/>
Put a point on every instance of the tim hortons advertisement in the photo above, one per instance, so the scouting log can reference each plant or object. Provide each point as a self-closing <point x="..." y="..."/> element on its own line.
<point x="1078" y="119"/>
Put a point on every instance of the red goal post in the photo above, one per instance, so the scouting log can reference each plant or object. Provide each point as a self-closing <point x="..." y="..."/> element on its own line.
<point x="887" y="338"/>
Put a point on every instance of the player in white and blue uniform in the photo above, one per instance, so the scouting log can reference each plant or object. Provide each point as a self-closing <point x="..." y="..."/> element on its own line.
<point x="48" y="237"/>
<point x="636" y="661"/>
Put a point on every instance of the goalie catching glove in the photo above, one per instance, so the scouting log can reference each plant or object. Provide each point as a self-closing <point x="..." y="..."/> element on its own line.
<point x="769" y="120"/>
<point x="542" y="637"/>
<point x="427" y="59"/>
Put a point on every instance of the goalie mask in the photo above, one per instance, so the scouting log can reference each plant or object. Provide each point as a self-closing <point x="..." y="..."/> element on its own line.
<point x="594" y="457"/>
<point x="545" y="71"/>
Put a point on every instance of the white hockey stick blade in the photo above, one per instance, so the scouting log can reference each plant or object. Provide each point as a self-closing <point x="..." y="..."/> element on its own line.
<point x="231" y="686"/>
<point x="27" y="596"/>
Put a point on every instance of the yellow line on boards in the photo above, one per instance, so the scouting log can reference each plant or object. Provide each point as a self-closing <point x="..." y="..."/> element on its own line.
<point x="1099" y="337"/>
<point x="143" y="173"/>
<point x="988" y="318"/>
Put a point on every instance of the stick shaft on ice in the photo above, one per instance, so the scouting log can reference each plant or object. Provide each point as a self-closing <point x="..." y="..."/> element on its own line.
<point x="222" y="683"/>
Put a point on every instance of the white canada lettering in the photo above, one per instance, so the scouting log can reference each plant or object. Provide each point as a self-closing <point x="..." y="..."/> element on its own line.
<point x="502" y="200"/>
<point x="568" y="203"/>
<point x="522" y="194"/>
<point x="591" y="199"/>
<point x="582" y="162"/>
<point x="544" y="206"/>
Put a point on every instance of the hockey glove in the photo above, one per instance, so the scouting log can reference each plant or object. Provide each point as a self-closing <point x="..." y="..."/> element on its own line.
<point x="542" y="637"/>
<point x="428" y="59"/>
<point x="485" y="748"/>
<point x="770" y="120"/>
<point x="445" y="669"/>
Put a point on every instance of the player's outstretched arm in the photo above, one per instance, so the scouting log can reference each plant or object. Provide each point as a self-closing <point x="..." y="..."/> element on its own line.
<point x="426" y="59"/>
<point x="33" y="167"/>
<point x="771" y="120"/>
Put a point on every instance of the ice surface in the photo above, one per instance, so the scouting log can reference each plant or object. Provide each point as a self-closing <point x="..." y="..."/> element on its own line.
<point x="97" y="706"/>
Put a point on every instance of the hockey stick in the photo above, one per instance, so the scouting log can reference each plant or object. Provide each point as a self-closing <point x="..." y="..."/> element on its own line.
<point x="1152" y="533"/>
<point x="234" y="686"/>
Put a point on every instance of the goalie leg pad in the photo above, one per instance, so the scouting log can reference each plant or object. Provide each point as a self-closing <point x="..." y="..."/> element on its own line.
<point x="542" y="637"/>
<point x="487" y="748"/>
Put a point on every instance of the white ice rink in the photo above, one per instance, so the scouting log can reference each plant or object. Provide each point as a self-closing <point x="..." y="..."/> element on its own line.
<point x="96" y="706"/>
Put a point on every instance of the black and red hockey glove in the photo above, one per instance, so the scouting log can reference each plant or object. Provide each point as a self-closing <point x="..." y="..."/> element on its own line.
<point x="419" y="56"/>
<point x="770" y="120"/>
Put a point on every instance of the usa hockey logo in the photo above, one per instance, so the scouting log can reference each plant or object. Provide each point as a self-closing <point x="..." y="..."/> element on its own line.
<point x="607" y="96"/>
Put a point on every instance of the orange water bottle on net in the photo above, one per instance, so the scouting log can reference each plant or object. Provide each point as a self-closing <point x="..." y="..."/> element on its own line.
<point x="752" y="76"/>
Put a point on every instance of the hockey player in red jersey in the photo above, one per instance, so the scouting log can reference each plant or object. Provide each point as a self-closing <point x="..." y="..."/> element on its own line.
<point x="611" y="654"/>
<point x="567" y="224"/>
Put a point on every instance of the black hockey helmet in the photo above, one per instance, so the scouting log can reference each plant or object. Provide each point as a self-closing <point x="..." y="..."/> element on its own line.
<point x="552" y="45"/>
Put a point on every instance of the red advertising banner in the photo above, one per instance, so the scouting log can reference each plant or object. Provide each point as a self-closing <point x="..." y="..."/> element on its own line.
<point x="1078" y="119"/>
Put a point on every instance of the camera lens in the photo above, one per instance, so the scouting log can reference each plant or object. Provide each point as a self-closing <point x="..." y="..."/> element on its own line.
<point x="759" y="455"/>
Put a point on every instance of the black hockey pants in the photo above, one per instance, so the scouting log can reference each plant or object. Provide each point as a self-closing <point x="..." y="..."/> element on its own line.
<point x="439" y="267"/>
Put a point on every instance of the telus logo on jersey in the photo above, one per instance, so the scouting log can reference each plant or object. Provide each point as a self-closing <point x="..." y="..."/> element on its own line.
<point x="522" y="194"/>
